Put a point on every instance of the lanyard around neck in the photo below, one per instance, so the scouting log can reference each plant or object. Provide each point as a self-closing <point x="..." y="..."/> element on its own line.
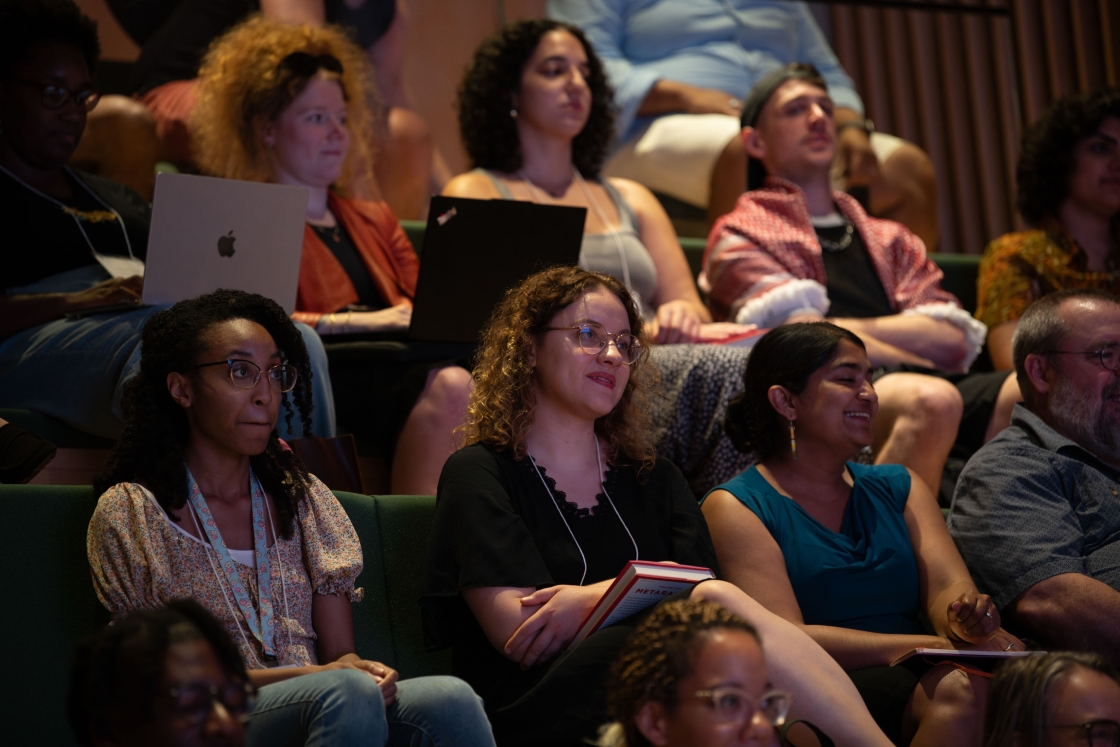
<point x="262" y="626"/>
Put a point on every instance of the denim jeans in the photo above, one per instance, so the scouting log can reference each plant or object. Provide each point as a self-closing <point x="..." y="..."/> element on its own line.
<point x="76" y="370"/>
<point x="345" y="707"/>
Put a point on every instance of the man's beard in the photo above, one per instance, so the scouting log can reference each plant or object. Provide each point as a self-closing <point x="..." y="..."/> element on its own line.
<point x="1083" y="417"/>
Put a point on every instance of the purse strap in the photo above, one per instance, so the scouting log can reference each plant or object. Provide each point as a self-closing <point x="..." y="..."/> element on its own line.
<point x="783" y="734"/>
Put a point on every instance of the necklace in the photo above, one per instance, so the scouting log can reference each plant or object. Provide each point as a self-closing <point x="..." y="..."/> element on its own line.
<point x="840" y="244"/>
<point x="556" y="503"/>
<point x="334" y="234"/>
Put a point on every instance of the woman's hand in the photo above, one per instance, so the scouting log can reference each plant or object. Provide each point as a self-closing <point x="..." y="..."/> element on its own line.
<point x="973" y="617"/>
<point x="393" y="319"/>
<point x="676" y="322"/>
<point x="385" y="677"/>
<point x="550" y="629"/>
<point x="1001" y="640"/>
<point x="108" y="293"/>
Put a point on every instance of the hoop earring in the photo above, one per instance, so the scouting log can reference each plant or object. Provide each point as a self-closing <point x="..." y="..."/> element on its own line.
<point x="793" y="440"/>
<point x="513" y="114"/>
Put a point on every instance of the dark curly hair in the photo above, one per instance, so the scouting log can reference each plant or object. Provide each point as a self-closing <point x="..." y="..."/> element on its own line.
<point x="121" y="666"/>
<point x="785" y="356"/>
<point x="657" y="656"/>
<point x="25" y="24"/>
<point x="494" y="75"/>
<point x="502" y="403"/>
<point x="155" y="428"/>
<point x="1046" y="158"/>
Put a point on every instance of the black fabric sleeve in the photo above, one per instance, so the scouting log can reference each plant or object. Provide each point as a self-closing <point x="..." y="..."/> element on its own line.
<point x="684" y="529"/>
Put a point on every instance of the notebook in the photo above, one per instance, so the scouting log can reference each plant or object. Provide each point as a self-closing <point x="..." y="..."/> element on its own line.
<point x="475" y="250"/>
<point x="211" y="233"/>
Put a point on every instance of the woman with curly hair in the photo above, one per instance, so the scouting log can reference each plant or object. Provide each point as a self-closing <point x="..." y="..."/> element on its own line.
<point x="291" y="105"/>
<point x="200" y="498"/>
<point x="558" y="488"/>
<point x="693" y="674"/>
<point x="1068" y="180"/>
<point x="1059" y="699"/>
<point x="852" y="554"/>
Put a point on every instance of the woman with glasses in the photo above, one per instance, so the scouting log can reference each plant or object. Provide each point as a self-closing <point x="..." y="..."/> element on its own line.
<point x="1061" y="699"/>
<point x="557" y="490"/>
<point x="852" y="554"/>
<point x="693" y="675"/>
<point x="74" y="241"/>
<point x="200" y="498"/>
<point x="292" y="105"/>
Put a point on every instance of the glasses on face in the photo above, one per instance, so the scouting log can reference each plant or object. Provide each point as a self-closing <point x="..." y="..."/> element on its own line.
<point x="246" y="374"/>
<point x="593" y="339"/>
<point x="732" y="704"/>
<point x="193" y="702"/>
<point x="1101" y="733"/>
<point x="56" y="97"/>
<point x="1109" y="355"/>
<point x="305" y="65"/>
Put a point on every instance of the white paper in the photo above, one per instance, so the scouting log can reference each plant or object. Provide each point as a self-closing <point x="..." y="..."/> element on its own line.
<point x="120" y="267"/>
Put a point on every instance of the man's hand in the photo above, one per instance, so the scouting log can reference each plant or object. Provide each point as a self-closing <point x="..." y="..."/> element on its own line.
<point x="550" y="629"/>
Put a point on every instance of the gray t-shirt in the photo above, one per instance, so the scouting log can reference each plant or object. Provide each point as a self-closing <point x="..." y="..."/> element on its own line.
<point x="1032" y="504"/>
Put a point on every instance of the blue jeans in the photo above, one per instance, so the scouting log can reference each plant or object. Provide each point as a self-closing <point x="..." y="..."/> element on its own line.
<point x="345" y="707"/>
<point x="76" y="370"/>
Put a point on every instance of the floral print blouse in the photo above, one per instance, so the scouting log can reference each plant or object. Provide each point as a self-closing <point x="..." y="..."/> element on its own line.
<point x="1019" y="268"/>
<point x="140" y="559"/>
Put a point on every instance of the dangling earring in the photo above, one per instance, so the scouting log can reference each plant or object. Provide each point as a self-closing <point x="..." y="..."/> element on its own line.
<point x="513" y="114"/>
<point x="793" y="440"/>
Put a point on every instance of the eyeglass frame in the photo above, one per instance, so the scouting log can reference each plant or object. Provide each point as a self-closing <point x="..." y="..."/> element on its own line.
<point x="709" y="695"/>
<point x="71" y="96"/>
<point x="1087" y="728"/>
<point x="199" y="715"/>
<point x="1099" y="353"/>
<point x="612" y="339"/>
<point x="230" y="361"/>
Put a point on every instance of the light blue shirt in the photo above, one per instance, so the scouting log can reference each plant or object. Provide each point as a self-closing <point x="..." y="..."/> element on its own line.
<point x="724" y="44"/>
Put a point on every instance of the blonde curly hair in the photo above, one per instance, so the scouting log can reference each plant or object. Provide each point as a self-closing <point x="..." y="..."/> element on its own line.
<point x="242" y="85"/>
<point x="502" y="404"/>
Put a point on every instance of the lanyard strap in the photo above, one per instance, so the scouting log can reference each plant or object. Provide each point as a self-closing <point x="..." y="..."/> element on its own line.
<point x="263" y="626"/>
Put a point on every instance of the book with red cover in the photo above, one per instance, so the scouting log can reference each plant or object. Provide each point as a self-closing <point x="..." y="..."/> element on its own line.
<point x="934" y="654"/>
<point x="641" y="584"/>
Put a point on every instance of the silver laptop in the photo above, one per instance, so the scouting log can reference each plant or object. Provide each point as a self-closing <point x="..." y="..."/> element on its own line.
<point x="211" y="233"/>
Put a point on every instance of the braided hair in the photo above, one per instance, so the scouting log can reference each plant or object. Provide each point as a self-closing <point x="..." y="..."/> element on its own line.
<point x="152" y="448"/>
<point x="657" y="656"/>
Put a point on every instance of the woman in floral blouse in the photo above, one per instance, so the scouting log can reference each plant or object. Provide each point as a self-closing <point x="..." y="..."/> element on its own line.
<point x="1068" y="181"/>
<point x="201" y="499"/>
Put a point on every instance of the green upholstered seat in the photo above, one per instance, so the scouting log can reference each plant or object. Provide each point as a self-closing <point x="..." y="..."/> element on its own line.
<point x="49" y="603"/>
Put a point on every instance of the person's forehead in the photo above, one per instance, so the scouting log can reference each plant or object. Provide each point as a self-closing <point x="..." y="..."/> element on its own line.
<point x="54" y="60"/>
<point x="1090" y="319"/>
<point x="793" y="89"/>
<point x="560" y="43"/>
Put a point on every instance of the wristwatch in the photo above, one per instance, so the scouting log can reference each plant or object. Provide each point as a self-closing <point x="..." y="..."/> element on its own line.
<point x="864" y="124"/>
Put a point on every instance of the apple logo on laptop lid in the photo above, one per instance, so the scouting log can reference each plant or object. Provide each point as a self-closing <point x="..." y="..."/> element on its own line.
<point x="225" y="244"/>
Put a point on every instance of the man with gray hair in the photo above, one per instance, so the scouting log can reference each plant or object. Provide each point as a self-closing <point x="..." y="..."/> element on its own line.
<point x="1036" y="513"/>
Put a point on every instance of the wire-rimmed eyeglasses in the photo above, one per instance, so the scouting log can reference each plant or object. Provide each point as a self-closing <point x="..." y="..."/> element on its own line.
<point x="593" y="339"/>
<point x="56" y="97"/>
<point x="1109" y="355"/>
<point x="1101" y="733"/>
<point x="733" y="704"/>
<point x="245" y="374"/>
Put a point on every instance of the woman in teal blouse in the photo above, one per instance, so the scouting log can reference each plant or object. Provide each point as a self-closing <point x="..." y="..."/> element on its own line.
<point x="852" y="554"/>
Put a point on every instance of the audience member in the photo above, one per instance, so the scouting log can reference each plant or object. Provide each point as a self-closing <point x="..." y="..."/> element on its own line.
<point x="284" y="104"/>
<point x="795" y="250"/>
<point x="277" y="560"/>
<point x="166" y="676"/>
<point x="535" y="116"/>
<point x="855" y="554"/>
<point x="174" y="36"/>
<point x="692" y="674"/>
<point x="680" y="69"/>
<point x="82" y="237"/>
<point x="558" y="488"/>
<point x="1036" y="514"/>
<point x="1068" y="181"/>
<point x="1054" y="700"/>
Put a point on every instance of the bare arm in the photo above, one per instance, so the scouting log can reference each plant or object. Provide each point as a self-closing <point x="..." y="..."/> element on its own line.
<point x="1072" y="611"/>
<point x="668" y="96"/>
<point x="999" y="344"/>
<point x="937" y="340"/>
<point x="18" y="313"/>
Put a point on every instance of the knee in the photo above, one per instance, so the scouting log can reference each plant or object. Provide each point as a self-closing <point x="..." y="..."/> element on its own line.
<point x="123" y="112"/>
<point x="350" y="696"/>
<point x="958" y="695"/>
<point x="408" y="130"/>
<point x="911" y="163"/>
<point x="933" y="403"/>
<point x="448" y="393"/>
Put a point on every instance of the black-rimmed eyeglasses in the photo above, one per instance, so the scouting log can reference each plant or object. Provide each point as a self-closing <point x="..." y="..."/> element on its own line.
<point x="1109" y="356"/>
<point x="56" y="97"/>
<point x="194" y="702"/>
<point x="246" y="374"/>
<point x="593" y="339"/>
<point x="1102" y="733"/>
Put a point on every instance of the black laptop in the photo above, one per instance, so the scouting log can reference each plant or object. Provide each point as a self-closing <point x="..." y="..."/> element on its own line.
<point x="475" y="250"/>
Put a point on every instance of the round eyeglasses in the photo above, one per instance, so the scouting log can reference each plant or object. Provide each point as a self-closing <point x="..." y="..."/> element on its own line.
<point x="593" y="339"/>
<point x="1102" y="733"/>
<point x="1108" y="355"/>
<point x="193" y="702"/>
<point x="246" y="374"/>
<point x="733" y="704"/>
<point x="56" y="97"/>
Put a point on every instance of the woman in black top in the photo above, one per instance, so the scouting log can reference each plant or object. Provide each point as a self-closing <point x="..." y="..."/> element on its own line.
<point x="558" y="488"/>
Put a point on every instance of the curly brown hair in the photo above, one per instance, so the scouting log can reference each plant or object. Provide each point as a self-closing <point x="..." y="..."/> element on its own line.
<point x="657" y="656"/>
<point x="494" y="75"/>
<point x="242" y="85"/>
<point x="502" y="403"/>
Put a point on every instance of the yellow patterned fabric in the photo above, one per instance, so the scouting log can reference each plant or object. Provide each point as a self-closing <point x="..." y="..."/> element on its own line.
<point x="1019" y="268"/>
